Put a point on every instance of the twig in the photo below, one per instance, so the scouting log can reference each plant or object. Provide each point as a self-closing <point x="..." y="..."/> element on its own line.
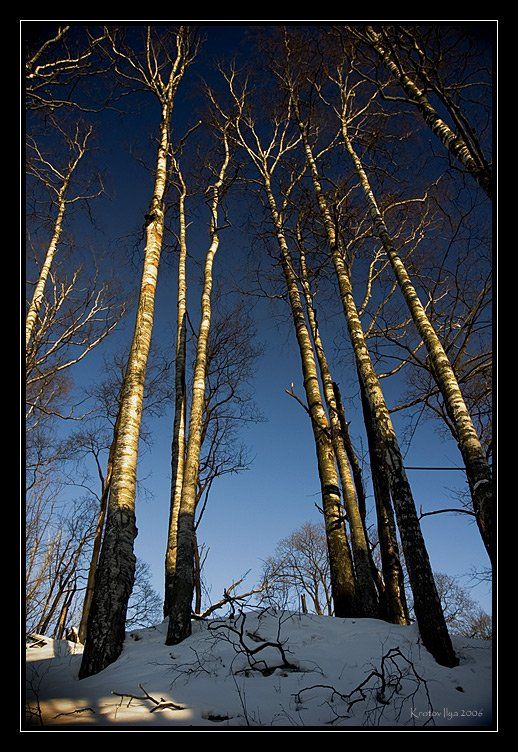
<point x="73" y="712"/>
<point x="161" y="704"/>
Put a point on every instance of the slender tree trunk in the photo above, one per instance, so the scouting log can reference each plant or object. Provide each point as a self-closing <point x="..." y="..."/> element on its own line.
<point x="183" y="580"/>
<point x="197" y="577"/>
<point x="98" y="537"/>
<point x="427" y="605"/>
<point x="316" y="604"/>
<point x="64" y="580"/>
<point x="456" y="145"/>
<point x="395" y="598"/>
<point x="39" y="290"/>
<point x="303" y="604"/>
<point x="116" y="568"/>
<point x="342" y="573"/>
<point x="351" y="454"/>
<point x="360" y="495"/>
<point x="63" y="614"/>
<point x="477" y="468"/>
<point x="178" y="444"/>
<point x="366" y="594"/>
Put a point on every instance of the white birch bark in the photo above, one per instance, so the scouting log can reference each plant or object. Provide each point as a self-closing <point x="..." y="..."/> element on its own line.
<point x="182" y="589"/>
<point x="477" y="468"/>
<point x="366" y="596"/>
<point x="116" y="567"/>
<point x="427" y="606"/>
<point x="178" y="443"/>
<point x="39" y="290"/>
<point x="456" y="145"/>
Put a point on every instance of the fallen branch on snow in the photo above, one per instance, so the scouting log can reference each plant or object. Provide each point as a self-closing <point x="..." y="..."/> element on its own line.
<point x="73" y="712"/>
<point x="161" y="704"/>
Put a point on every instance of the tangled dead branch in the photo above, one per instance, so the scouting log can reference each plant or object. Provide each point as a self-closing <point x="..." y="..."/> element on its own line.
<point x="383" y="686"/>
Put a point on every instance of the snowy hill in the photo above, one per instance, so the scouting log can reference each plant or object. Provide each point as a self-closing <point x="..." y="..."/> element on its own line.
<point x="344" y="672"/>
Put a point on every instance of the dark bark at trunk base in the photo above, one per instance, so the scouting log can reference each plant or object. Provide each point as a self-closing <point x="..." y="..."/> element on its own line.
<point x="114" y="582"/>
<point x="183" y="583"/>
<point x="427" y="605"/>
<point x="394" y="591"/>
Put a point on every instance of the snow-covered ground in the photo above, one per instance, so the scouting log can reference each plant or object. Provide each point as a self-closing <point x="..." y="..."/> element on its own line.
<point x="215" y="684"/>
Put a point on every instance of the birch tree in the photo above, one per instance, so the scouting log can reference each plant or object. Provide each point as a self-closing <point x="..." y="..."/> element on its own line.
<point x="367" y="598"/>
<point x="462" y="144"/>
<point x="429" y="615"/>
<point x="159" y="68"/>
<point x="390" y="585"/>
<point x="57" y="180"/>
<point x="266" y="158"/>
<point x="56" y="62"/>
<point x="182" y="589"/>
<point x="178" y="441"/>
<point x="477" y="468"/>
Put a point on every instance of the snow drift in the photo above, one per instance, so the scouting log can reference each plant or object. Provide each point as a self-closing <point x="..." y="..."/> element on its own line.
<point x="265" y="668"/>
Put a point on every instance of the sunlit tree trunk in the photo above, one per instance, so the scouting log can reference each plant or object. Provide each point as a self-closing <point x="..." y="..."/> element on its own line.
<point x="77" y="145"/>
<point x="456" y="145"/>
<point x="63" y="614"/>
<point x="427" y="606"/>
<point x="340" y="562"/>
<point x="116" y="567"/>
<point x="477" y="468"/>
<point x="178" y="443"/>
<point x="182" y="589"/>
<point x="366" y="595"/>
<point x="39" y="290"/>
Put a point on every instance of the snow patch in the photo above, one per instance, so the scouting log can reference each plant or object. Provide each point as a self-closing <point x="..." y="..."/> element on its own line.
<point x="209" y="680"/>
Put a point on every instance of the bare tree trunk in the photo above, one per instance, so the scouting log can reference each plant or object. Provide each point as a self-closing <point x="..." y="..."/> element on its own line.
<point x="342" y="574"/>
<point x="366" y="594"/>
<point x="427" y="605"/>
<point x="98" y="537"/>
<point x="456" y="145"/>
<point x="63" y="614"/>
<point x="395" y="598"/>
<point x="183" y="580"/>
<point x="39" y="290"/>
<point x="62" y="591"/>
<point x="197" y="577"/>
<point x="116" y="568"/>
<point x="360" y="495"/>
<point x="303" y="604"/>
<point x="178" y="444"/>
<point x="477" y="468"/>
<point x="351" y="455"/>
<point x="78" y="146"/>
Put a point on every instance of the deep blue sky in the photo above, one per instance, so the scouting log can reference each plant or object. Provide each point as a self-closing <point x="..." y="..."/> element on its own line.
<point x="249" y="513"/>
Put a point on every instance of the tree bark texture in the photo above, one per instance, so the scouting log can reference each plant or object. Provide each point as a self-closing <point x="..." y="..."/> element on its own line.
<point x="116" y="568"/>
<point x="183" y="579"/>
<point x="360" y="495"/>
<point x="178" y="443"/>
<point x="427" y="606"/>
<point x="39" y="290"/>
<point x="340" y="562"/>
<point x="366" y="594"/>
<point x="456" y="145"/>
<point x="477" y="468"/>
<point x="98" y="537"/>
<point x="395" y="598"/>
